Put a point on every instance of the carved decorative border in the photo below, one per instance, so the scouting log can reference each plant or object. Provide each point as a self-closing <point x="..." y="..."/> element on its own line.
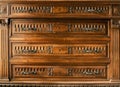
<point x="115" y="46"/>
<point x="60" y="85"/>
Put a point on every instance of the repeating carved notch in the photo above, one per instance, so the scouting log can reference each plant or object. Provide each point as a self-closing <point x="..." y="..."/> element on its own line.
<point x="60" y="9"/>
<point x="87" y="71"/>
<point x="59" y="71"/>
<point x="21" y="27"/>
<point x="101" y="10"/>
<point x="90" y="50"/>
<point x="61" y="50"/>
<point x="29" y="9"/>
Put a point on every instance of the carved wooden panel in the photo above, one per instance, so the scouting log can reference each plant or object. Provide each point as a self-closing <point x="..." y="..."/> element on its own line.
<point x="60" y="43"/>
<point x="78" y="27"/>
<point x="116" y="10"/>
<point x="50" y="10"/>
<point x="116" y="23"/>
<point x="79" y="72"/>
<point x="115" y="49"/>
<point x="30" y="9"/>
<point x="101" y="10"/>
<point x="3" y="9"/>
<point x="3" y="50"/>
<point x="22" y="49"/>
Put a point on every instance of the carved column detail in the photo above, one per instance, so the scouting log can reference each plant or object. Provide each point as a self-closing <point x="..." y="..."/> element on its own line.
<point x="3" y="49"/>
<point x="115" y="49"/>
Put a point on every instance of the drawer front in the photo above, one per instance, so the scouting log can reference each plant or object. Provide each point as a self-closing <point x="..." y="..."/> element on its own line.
<point x="60" y="27"/>
<point x="45" y="10"/>
<point x="57" y="72"/>
<point x="83" y="50"/>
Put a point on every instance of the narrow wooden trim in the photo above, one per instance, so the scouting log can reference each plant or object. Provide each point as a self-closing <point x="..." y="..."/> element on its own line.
<point x="3" y="49"/>
<point x="115" y="54"/>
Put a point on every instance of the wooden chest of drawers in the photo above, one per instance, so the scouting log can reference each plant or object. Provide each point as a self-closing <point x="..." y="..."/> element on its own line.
<point x="60" y="43"/>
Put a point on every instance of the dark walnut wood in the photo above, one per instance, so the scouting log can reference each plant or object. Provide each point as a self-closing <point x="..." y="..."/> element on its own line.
<point x="60" y="43"/>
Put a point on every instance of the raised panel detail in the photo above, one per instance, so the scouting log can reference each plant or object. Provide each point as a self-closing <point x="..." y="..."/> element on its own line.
<point x="81" y="72"/>
<point x="50" y="10"/>
<point x="101" y="10"/>
<point x="22" y="49"/>
<point x="3" y="50"/>
<point x="116" y="10"/>
<point x="60" y="43"/>
<point x="23" y="8"/>
<point x="58" y="10"/>
<point x="3" y="10"/>
<point x="78" y="27"/>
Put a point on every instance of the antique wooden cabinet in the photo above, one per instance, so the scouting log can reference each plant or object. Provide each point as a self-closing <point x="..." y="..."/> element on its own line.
<point x="59" y="43"/>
